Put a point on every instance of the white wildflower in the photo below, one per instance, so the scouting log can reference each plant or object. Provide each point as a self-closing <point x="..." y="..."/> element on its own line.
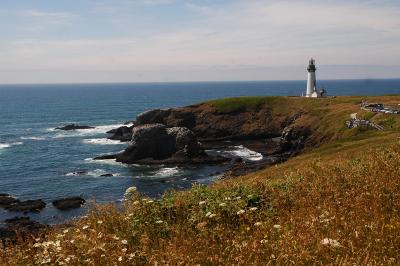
<point x="238" y="198"/>
<point x="66" y="231"/>
<point x="208" y="214"/>
<point x="124" y="250"/>
<point x="240" y="212"/>
<point x="102" y="255"/>
<point x="72" y="241"/>
<point x="223" y="204"/>
<point x="120" y="259"/>
<point x="202" y="202"/>
<point x="277" y="226"/>
<point x="159" y="222"/>
<point x="150" y="201"/>
<point x="85" y="227"/>
<point x="125" y="242"/>
<point x="130" y="192"/>
<point x="99" y="222"/>
<point x="115" y="237"/>
<point x="136" y="202"/>
<point x="253" y="209"/>
<point x="212" y="215"/>
<point x="330" y="242"/>
<point x="258" y="224"/>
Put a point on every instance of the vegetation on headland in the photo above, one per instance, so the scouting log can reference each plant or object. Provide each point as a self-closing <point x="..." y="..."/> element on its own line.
<point x="335" y="204"/>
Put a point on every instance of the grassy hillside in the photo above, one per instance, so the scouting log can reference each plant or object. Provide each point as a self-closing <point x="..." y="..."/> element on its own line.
<point x="335" y="204"/>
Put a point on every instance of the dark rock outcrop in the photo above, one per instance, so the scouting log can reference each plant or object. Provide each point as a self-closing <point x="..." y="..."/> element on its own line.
<point x="122" y="134"/>
<point x="68" y="203"/>
<point x="73" y="127"/>
<point x="27" y="206"/>
<point x="293" y="139"/>
<point x="106" y="175"/>
<point x="157" y="142"/>
<point x="7" y="200"/>
<point x="209" y="124"/>
<point x="20" y="226"/>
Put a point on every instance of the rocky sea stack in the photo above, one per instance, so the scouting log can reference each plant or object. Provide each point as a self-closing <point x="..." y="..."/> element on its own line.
<point x="156" y="144"/>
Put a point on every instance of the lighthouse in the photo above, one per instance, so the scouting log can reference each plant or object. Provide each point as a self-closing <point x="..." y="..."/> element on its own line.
<point x="311" y="80"/>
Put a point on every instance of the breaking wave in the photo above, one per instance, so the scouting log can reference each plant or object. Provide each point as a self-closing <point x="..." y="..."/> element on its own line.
<point x="103" y="141"/>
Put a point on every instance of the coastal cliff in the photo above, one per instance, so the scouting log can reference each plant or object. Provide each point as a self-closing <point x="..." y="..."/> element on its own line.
<point x="325" y="205"/>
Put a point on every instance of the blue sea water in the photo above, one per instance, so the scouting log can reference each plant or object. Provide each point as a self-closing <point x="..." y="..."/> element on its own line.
<point x="37" y="161"/>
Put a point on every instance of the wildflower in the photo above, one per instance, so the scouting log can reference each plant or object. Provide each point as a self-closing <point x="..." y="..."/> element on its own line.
<point x="72" y="241"/>
<point x="85" y="227"/>
<point x="130" y="192"/>
<point x="240" y="212"/>
<point x="130" y="215"/>
<point x="136" y="202"/>
<point x="238" y="198"/>
<point x="159" y="222"/>
<point x="102" y="255"/>
<point x="66" y="231"/>
<point x="202" y="202"/>
<point x="253" y="209"/>
<point x="115" y="237"/>
<point x="330" y="242"/>
<point x="223" y="204"/>
<point x="124" y="250"/>
<point x="120" y="259"/>
<point x="150" y="201"/>
<point x="212" y="215"/>
<point x="125" y="242"/>
<point x="201" y="225"/>
<point x="99" y="222"/>
<point x="277" y="226"/>
<point x="258" y="224"/>
<point x="208" y="214"/>
<point x="227" y="198"/>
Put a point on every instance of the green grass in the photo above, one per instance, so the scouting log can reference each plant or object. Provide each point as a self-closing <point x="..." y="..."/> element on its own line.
<point x="236" y="104"/>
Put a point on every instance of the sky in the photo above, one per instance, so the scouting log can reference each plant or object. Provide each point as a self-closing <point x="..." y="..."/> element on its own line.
<point x="64" y="41"/>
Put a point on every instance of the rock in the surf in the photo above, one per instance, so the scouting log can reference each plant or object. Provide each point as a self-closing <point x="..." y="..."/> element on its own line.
<point x="27" y="206"/>
<point x="122" y="134"/>
<point x="157" y="142"/>
<point x="73" y="127"/>
<point x="68" y="203"/>
<point x="7" y="200"/>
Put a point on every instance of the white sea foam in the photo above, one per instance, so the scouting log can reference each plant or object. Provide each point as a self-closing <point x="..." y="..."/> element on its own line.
<point x="93" y="173"/>
<point x="8" y="145"/>
<point x="105" y="161"/>
<point x="33" y="138"/>
<point x="85" y="132"/>
<point x="165" y="172"/>
<point x="245" y="153"/>
<point x="103" y="141"/>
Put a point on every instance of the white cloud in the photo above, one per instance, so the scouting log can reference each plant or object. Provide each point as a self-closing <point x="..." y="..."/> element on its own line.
<point x="48" y="17"/>
<point x="260" y="34"/>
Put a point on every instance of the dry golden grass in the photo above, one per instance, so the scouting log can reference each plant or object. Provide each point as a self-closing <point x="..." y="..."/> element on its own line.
<point x="338" y="205"/>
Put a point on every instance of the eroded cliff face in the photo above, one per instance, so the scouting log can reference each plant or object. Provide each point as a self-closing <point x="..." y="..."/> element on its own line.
<point x="209" y="124"/>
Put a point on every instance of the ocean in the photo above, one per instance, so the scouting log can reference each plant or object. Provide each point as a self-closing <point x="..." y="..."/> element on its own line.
<point x="38" y="162"/>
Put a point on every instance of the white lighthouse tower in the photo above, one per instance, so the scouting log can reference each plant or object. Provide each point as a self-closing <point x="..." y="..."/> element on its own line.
<point x="312" y="80"/>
